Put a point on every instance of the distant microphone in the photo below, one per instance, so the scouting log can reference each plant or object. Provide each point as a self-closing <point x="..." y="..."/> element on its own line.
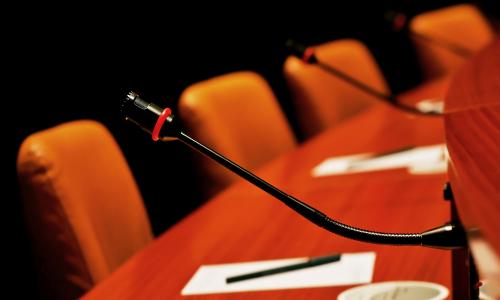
<point x="399" y="22"/>
<point x="307" y="55"/>
<point x="448" y="236"/>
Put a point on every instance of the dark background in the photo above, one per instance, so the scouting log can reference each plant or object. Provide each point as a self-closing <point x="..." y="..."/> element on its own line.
<point x="78" y="62"/>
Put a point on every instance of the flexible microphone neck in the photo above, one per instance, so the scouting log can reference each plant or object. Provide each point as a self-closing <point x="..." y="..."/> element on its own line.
<point x="307" y="55"/>
<point x="399" y="22"/>
<point x="448" y="236"/>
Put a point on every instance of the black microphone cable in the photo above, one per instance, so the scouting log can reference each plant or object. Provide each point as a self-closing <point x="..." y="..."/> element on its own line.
<point x="448" y="236"/>
<point x="307" y="55"/>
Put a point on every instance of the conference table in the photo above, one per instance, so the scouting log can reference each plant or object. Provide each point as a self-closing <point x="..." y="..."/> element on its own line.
<point x="244" y="224"/>
<point x="472" y="126"/>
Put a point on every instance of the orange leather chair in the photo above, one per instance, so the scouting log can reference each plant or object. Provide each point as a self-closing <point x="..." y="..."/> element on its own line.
<point x="83" y="209"/>
<point x="462" y="25"/>
<point x="238" y="115"/>
<point x="322" y="100"/>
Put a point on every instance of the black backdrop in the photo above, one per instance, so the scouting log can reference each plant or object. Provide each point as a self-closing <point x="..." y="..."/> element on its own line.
<point x="79" y="62"/>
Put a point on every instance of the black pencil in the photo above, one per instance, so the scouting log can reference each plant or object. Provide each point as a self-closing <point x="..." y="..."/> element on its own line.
<point x="312" y="262"/>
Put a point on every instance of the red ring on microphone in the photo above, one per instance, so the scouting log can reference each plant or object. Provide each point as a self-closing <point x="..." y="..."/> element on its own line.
<point x="308" y="54"/>
<point x="159" y="123"/>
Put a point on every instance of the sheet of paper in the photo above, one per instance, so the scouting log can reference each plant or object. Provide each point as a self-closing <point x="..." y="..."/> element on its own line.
<point x="419" y="160"/>
<point x="353" y="268"/>
<point x="431" y="105"/>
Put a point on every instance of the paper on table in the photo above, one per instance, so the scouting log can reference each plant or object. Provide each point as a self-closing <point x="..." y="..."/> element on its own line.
<point x="419" y="160"/>
<point x="353" y="268"/>
<point x="431" y="105"/>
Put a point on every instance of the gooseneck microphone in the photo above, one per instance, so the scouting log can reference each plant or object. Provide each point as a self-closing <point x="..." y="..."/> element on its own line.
<point x="399" y="23"/>
<point x="448" y="236"/>
<point x="307" y="55"/>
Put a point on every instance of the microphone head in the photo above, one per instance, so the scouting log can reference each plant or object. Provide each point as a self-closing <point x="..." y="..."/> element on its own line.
<point x="149" y="116"/>
<point x="136" y="100"/>
<point x="134" y="109"/>
<point x="299" y="50"/>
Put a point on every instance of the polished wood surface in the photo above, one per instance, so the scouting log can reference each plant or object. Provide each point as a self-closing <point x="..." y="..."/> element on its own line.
<point x="473" y="140"/>
<point x="245" y="224"/>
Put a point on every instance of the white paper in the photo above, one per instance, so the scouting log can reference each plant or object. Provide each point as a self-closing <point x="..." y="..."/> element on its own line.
<point x="353" y="268"/>
<point x="419" y="160"/>
<point x="431" y="105"/>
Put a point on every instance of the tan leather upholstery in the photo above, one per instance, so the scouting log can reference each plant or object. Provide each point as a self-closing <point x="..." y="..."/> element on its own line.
<point x="462" y="25"/>
<point x="238" y="115"/>
<point x="322" y="100"/>
<point x="82" y="206"/>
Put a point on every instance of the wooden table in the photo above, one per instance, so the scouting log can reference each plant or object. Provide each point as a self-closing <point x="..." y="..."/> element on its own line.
<point x="473" y="138"/>
<point x="245" y="224"/>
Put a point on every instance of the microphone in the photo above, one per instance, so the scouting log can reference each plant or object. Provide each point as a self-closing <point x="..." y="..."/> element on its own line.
<point x="307" y="55"/>
<point x="447" y="236"/>
<point x="399" y="22"/>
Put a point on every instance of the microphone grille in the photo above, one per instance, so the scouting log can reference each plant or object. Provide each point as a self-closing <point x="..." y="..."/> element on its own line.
<point x="131" y="96"/>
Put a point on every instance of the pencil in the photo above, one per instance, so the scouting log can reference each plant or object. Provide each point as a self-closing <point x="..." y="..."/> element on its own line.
<point x="312" y="262"/>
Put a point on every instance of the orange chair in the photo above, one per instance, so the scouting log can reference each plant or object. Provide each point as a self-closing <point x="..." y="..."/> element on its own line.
<point x="238" y="115"/>
<point x="461" y="25"/>
<point x="83" y="209"/>
<point x="322" y="100"/>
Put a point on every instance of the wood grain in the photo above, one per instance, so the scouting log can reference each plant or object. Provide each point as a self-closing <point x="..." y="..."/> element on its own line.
<point x="473" y="138"/>
<point x="245" y="224"/>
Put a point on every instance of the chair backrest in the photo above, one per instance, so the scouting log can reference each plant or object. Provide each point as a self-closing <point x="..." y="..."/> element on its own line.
<point x="82" y="206"/>
<point x="322" y="100"/>
<point x="239" y="116"/>
<point x="461" y="25"/>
